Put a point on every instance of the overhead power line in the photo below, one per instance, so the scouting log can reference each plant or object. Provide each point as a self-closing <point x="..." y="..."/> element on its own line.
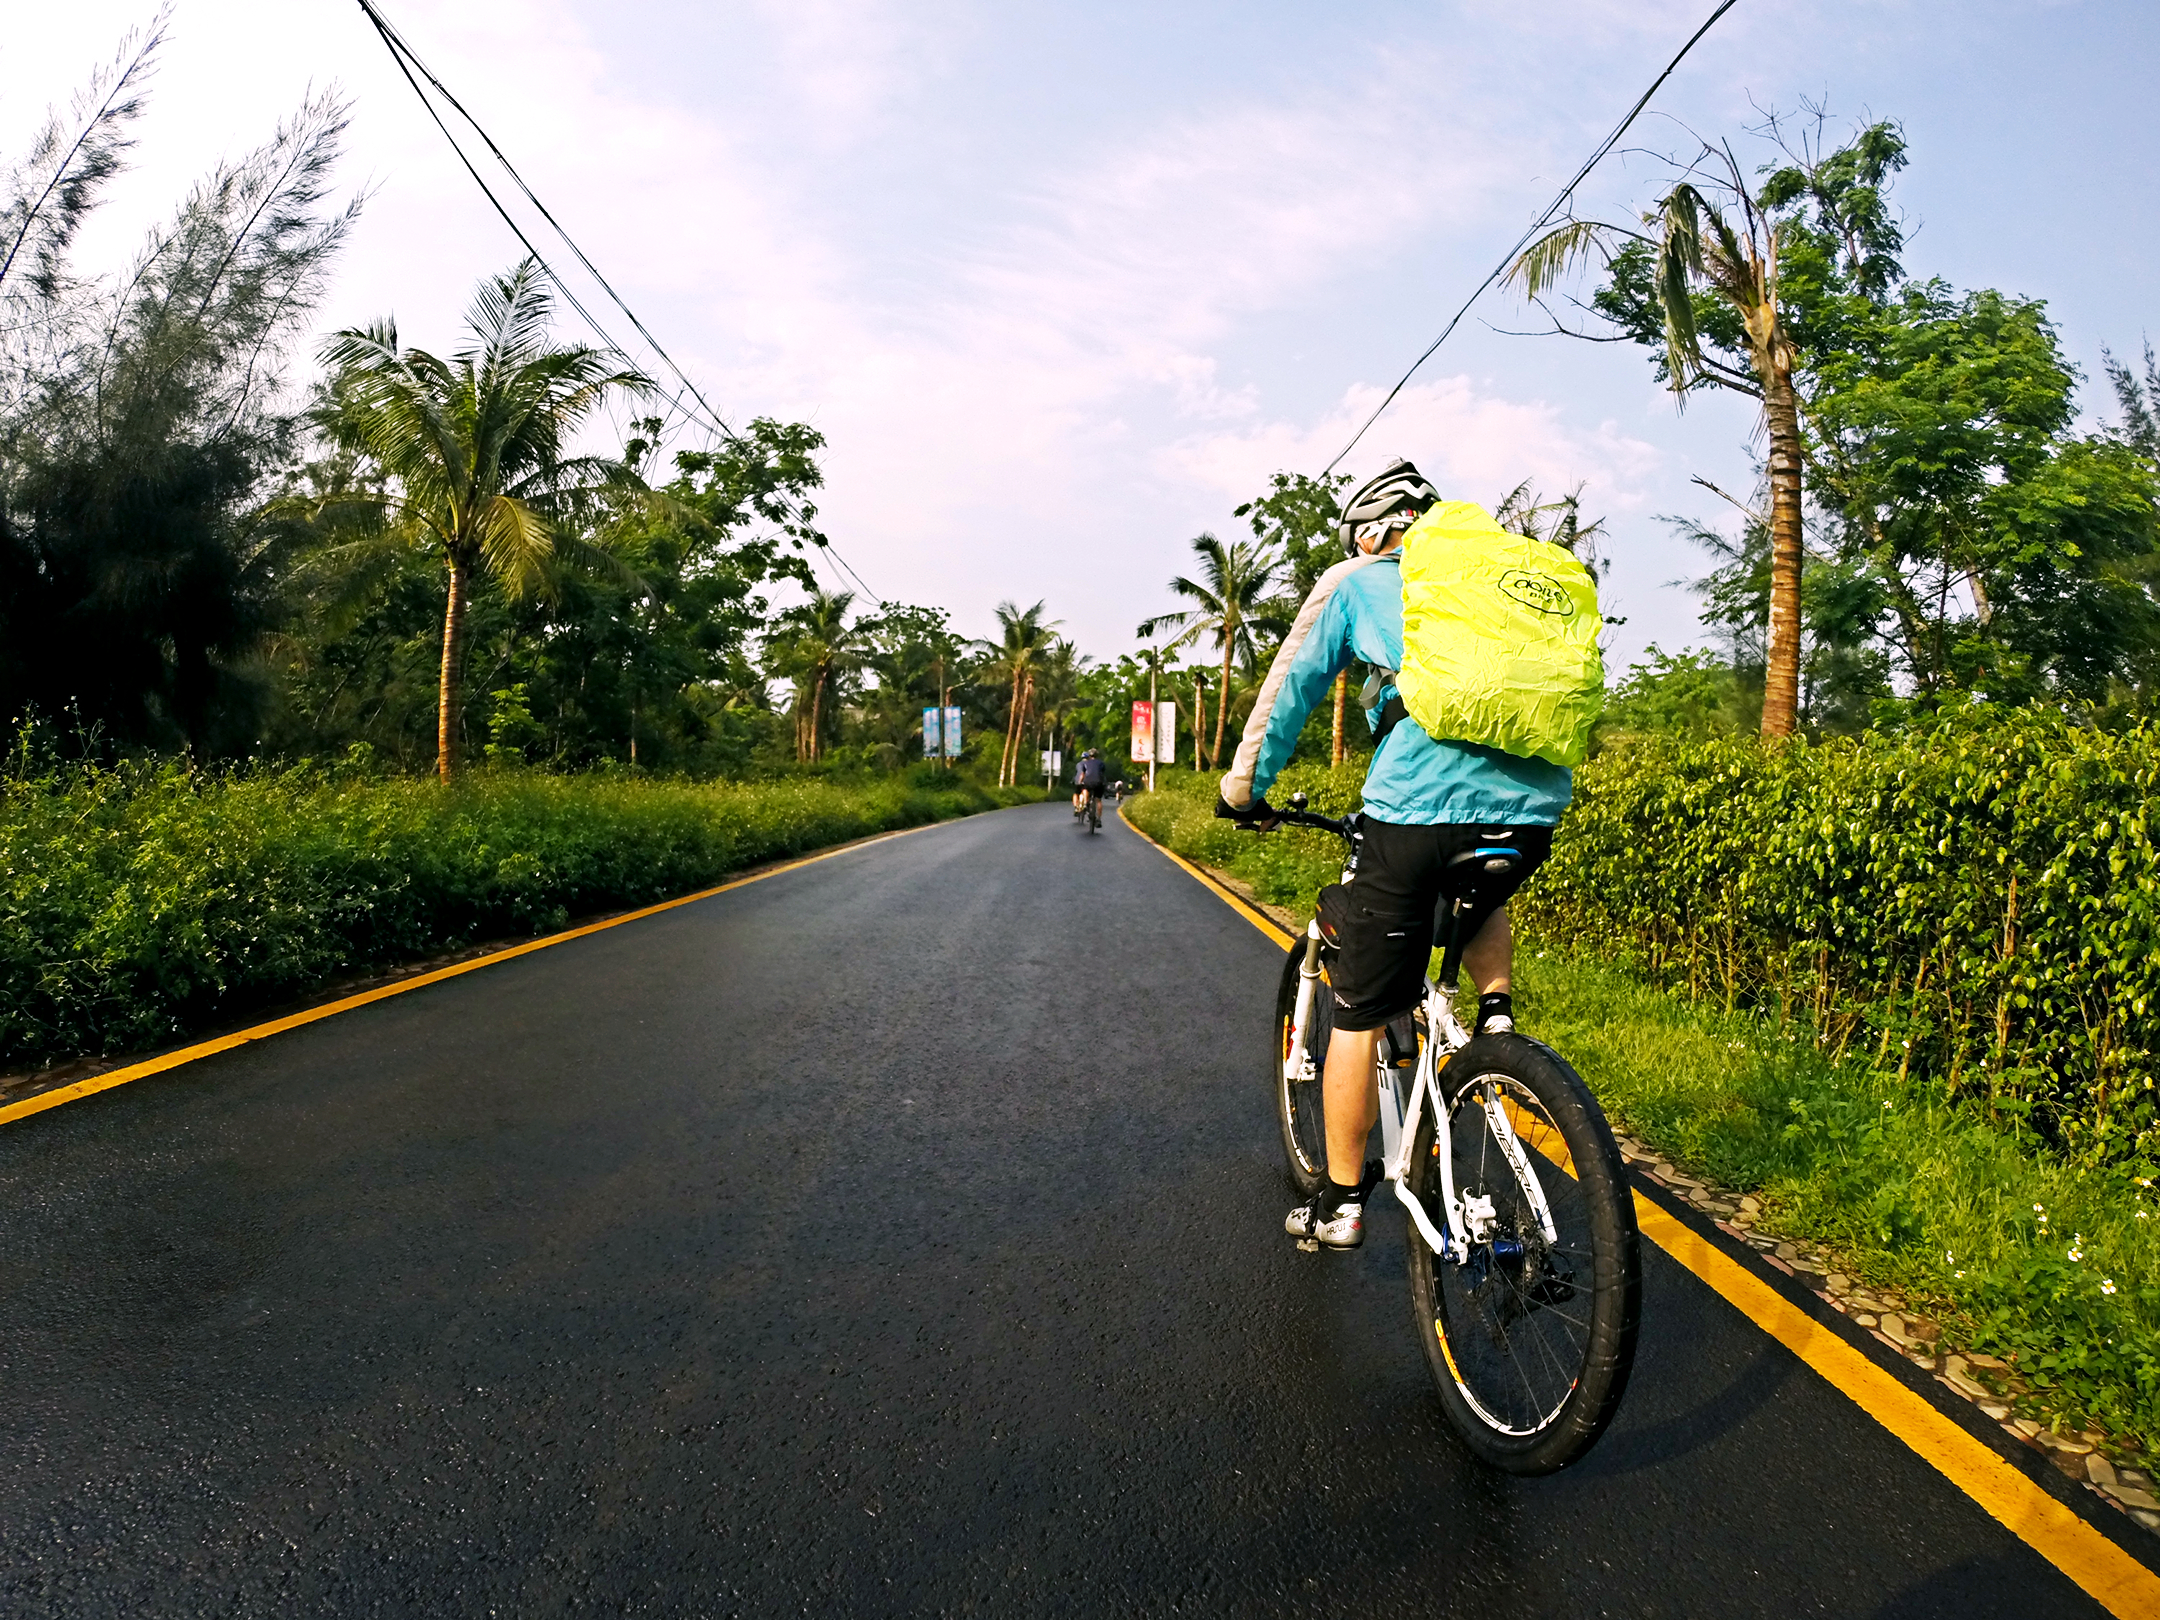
<point x="408" y="64"/>
<point x="1536" y="225"/>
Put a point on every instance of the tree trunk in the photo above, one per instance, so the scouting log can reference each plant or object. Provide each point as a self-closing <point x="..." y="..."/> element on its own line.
<point x="817" y="702"/>
<point x="1342" y="698"/>
<point x="1222" y="702"/>
<point x="453" y="660"/>
<point x="1012" y="731"/>
<point x="1781" y="652"/>
<point x="1200" y="760"/>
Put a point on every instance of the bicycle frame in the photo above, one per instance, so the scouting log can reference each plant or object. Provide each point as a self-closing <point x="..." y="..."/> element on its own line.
<point x="1463" y="1221"/>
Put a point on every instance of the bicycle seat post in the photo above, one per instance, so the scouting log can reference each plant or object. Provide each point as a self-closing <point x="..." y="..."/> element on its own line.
<point x="1452" y="945"/>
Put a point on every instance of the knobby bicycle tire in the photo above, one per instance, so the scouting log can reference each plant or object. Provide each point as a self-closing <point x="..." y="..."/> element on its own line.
<point x="1531" y="1342"/>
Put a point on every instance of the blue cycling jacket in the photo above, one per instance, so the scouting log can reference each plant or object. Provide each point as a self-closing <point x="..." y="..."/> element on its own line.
<point x="1355" y="612"/>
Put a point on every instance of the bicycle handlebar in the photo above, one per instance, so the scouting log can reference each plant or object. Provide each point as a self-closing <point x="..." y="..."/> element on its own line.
<point x="1295" y="817"/>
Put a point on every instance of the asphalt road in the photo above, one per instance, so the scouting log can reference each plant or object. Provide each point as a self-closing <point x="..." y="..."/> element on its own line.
<point x="899" y="1234"/>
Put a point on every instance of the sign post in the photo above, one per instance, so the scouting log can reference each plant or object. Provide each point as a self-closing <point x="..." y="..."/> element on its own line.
<point x="941" y="733"/>
<point x="1142" y="747"/>
<point x="1165" y="736"/>
<point x="1053" y="762"/>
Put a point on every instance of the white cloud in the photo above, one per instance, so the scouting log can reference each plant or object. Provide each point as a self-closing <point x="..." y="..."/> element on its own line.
<point x="1472" y="446"/>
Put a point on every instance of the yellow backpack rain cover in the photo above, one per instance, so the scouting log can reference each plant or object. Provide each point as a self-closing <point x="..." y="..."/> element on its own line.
<point x="1500" y="637"/>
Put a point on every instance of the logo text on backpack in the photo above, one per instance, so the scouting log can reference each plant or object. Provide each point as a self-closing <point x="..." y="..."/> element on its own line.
<point x="1539" y="592"/>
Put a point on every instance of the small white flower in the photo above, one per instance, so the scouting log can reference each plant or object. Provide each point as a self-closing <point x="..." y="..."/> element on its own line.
<point x="2107" y="1285"/>
<point x="2076" y="1253"/>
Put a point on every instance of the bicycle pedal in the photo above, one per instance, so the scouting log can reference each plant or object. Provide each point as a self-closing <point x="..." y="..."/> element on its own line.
<point x="1309" y="1245"/>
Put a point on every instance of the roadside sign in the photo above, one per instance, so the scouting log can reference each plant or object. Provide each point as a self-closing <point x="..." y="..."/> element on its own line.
<point x="1143" y="733"/>
<point x="1166" y="733"/>
<point x="941" y="739"/>
<point x="1053" y="761"/>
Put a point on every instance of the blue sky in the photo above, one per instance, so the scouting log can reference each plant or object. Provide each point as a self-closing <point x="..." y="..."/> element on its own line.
<point x="1064" y="282"/>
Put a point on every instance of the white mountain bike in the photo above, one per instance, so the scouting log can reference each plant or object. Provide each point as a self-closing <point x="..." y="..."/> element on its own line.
<point x="1525" y="1268"/>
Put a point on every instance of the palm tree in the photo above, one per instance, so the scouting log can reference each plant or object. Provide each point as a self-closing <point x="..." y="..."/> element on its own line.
<point x="1057" y="685"/>
<point x="473" y="448"/>
<point x="1232" y="596"/>
<point x="1692" y="246"/>
<point x="1526" y="512"/>
<point x="816" y="645"/>
<point x="1023" y="638"/>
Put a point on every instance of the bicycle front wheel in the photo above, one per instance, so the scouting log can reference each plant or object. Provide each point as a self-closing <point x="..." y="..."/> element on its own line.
<point x="1297" y="1086"/>
<point x="1531" y="1336"/>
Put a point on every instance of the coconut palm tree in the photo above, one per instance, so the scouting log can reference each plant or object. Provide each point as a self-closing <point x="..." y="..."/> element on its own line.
<point x="817" y="647"/>
<point x="1693" y="247"/>
<point x="1526" y="512"/>
<point x="474" y="449"/>
<point x="1057" y="685"/>
<point x="1023" y="638"/>
<point x="1232" y="593"/>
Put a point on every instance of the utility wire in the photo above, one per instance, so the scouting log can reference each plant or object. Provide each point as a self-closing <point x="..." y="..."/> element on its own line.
<point x="1523" y="240"/>
<point x="408" y="60"/>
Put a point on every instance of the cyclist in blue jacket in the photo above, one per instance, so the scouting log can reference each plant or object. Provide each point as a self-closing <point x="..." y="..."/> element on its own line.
<point x="1426" y="801"/>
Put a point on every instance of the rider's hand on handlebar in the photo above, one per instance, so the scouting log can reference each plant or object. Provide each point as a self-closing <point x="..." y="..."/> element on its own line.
<point x="1259" y="816"/>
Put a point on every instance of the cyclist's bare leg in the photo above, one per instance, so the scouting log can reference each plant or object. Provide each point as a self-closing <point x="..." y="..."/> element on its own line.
<point x="1489" y="958"/>
<point x="1352" y="1099"/>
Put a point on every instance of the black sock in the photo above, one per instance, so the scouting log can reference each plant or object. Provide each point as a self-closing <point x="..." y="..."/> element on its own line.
<point x="1499" y="1002"/>
<point x="1333" y="1194"/>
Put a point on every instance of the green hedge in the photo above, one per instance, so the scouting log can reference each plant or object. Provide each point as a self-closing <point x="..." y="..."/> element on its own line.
<point x="1971" y="904"/>
<point x="1285" y="868"/>
<point x="139" y="904"/>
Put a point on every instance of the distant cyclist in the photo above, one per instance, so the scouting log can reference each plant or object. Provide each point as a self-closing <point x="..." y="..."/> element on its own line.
<point x="1426" y="802"/>
<point x="1088" y="784"/>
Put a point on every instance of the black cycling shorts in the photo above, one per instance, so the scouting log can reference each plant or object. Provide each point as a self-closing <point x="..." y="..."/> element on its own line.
<point x="1383" y="919"/>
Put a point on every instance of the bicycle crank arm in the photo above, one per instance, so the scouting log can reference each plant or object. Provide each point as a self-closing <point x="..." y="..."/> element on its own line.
<point x="1434" y="1238"/>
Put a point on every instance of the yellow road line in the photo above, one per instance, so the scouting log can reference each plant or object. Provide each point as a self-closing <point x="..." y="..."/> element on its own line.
<point x="225" y="1043"/>
<point x="2110" y="1576"/>
<point x="1237" y="902"/>
<point x="2107" y="1574"/>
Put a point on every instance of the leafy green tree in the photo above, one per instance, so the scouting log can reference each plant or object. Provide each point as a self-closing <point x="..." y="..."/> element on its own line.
<point x="474" y="450"/>
<point x="2011" y="553"/>
<point x="1689" y="694"/>
<point x="915" y="660"/>
<point x="142" y="419"/>
<point x="2139" y="400"/>
<point x="1231" y="596"/>
<point x="1297" y="518"/>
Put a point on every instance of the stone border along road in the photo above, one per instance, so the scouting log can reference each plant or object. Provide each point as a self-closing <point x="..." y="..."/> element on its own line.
<point x="1988" y="1382"/>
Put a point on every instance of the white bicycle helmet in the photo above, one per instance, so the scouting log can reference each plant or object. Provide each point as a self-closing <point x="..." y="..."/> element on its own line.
<point x="1392" y="500"/>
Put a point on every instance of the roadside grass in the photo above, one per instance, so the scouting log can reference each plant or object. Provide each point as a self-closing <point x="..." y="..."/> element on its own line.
<point x="144" y="903"/>
<point x="2018" y="1252"/>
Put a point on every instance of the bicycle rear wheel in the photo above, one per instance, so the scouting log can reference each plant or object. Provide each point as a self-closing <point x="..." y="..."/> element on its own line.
<point x="1531" y="1339"/>
<point x="1298" y="1104"/>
